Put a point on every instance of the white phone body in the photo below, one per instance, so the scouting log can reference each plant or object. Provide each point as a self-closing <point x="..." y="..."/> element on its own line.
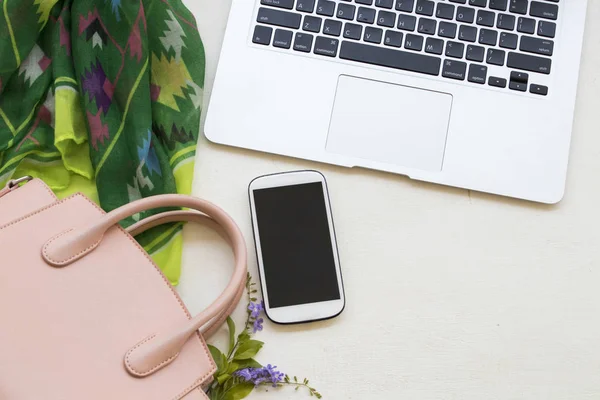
<point x="304" y="312"/>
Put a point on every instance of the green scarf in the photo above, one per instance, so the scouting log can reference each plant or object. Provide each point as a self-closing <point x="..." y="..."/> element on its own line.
<point x="103" y="97"/>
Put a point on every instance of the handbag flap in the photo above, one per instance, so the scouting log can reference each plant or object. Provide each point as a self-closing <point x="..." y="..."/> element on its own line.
<point x="29" y="198"/>
<point x="66" y="330"/>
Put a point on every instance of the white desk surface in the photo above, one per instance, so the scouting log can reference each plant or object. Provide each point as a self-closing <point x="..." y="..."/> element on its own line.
<point x="450" y="294"/>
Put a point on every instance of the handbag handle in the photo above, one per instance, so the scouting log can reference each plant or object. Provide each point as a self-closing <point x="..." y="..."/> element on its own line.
<point x="160" y="349"/>
<point x="191" y="216"/>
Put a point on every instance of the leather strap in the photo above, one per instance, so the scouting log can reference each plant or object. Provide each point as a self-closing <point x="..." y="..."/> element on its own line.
<point x="192" y="216"/>
<point x="159" y="349"/>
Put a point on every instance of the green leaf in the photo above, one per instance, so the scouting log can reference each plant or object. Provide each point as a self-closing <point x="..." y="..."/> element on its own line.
<point x="243" y="337"/>
<point x="239" y="391"/>
<point x="223" y="378"/>
<point x="215" y="393"/>
<point x="231" y="327"/>
<point x="248" y="349"/>
<point x="295" y="379"/>
<point x="233" y="366"/>
<point x="219" y="358"/>
<point x="249" y="363"/>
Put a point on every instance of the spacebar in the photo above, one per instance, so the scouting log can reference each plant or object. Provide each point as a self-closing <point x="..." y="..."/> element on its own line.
<point x="390" y="58"/>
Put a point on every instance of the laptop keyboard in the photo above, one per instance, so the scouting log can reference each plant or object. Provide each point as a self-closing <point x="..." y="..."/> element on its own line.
<point x="460" y="40"/>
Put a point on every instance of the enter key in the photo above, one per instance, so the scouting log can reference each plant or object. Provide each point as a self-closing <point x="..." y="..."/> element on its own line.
<point x="538" y="46"/>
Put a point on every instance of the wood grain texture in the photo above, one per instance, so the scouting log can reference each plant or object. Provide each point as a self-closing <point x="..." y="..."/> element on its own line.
<point x="450" y="294"/>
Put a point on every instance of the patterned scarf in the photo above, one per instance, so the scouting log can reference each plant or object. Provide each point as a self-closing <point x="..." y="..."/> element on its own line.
<point x="103" y="97"/>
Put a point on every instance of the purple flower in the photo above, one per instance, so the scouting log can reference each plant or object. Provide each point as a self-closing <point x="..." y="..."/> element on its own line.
<point x="261" y="375"/>
<point x="245" y="374"/>
<point x="258" y="325"/>
<point x="255" y="309"/>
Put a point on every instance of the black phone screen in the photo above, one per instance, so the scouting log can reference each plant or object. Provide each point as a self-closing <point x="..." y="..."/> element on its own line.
<point x="296" y="245"/>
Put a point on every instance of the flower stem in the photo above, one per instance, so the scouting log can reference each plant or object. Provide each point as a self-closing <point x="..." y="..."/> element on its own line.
<point x="297" y="385"/>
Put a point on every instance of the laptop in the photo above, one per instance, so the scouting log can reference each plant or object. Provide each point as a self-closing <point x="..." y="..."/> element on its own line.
<point x="476" y="94"/>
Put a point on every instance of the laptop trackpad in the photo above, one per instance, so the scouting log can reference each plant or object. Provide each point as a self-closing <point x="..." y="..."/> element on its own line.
<point x="389" y="123"/>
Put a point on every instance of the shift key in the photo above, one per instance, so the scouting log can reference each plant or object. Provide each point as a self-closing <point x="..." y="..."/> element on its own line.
<point x="529" y="63"/>
<point x="279" y="18"/>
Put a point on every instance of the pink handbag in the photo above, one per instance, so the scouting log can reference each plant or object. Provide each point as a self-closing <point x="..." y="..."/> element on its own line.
<point x="86" y="314"/>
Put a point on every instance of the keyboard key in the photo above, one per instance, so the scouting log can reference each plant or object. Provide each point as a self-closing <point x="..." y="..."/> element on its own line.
<point x="459" y="1"/>
<point x="386" y="18"/>
<point x="384" y="3"/>
<point x="366" y="15"/>
<point x="538" y="89"/>
<point x="346" y="11"/>
<point x="445" y="11"/>
<point x="465" y="14"/>
<point x="487" y="36"/>
<point x="391" y="58"/>
<point x="495" y="57"/>
<point x="262" y="35"/>
<point x="303" y="42"/>
<point x="538" y="46"/>
<point x="447" y="30"/>
<point x="529" y="63"/>
<point x="305" y="6"/>
<point x="282" y="39"/>
<point x="506" y="22"/>
<point x="326" y="46"/>
<point x="497" y="82"/>
<point x="477" y="73"/>
<point x="434" y="46"/>
<point x="367" y="2"/>
<point x="393" y="38"/>
<point x="289" y="4"/>
<point x="546" y="29"/>
<point x="407" y="22"/>
<point x="373" y="35"/>
<point x="427" y="26"/>
<point x="279" y="18"/>
<point x="455" y="49"/>
<point x="405" y="5"/>
<point x="543" y="10"/>
<point x="499" y="5"/>
<point x="526" y="25"/>
<point x="454" y="70"/>
<point x="518" y="6"/>
<point x="312" y="24"/>
<point x="332" y="27"/>
<point x="467" y="33"/>
<point x="352" y="31"/>
<point x="475" y="53"/>
<point x="425" y="7"/>
<point x="326" y="7"/>
<point x="478" y="3"/>
<point x="485" y="18"/>
<point x="519" y="77"/>
<point x="413" y="42"/>
<point x="518" y="86"/>
<point x="508" y="40"/>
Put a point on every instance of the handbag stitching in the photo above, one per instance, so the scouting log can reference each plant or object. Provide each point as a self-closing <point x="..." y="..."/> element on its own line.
<point x="190" y="388"/>
<point x="139" y="247"/>
<point x="145" y="373"/>
<point x="63" y="262"/>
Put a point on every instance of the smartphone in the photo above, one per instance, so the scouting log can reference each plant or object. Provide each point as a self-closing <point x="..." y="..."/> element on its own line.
<point x="298" y="259"/>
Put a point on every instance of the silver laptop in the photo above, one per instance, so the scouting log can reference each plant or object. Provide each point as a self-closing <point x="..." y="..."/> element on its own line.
<point x="477" y="94"/>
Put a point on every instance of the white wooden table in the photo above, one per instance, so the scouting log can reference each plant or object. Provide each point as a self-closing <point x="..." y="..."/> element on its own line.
<point x="450" y="294"/>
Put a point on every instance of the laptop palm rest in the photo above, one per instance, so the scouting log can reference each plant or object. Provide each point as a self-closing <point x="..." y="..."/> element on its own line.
<point x="391" y="124"/>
